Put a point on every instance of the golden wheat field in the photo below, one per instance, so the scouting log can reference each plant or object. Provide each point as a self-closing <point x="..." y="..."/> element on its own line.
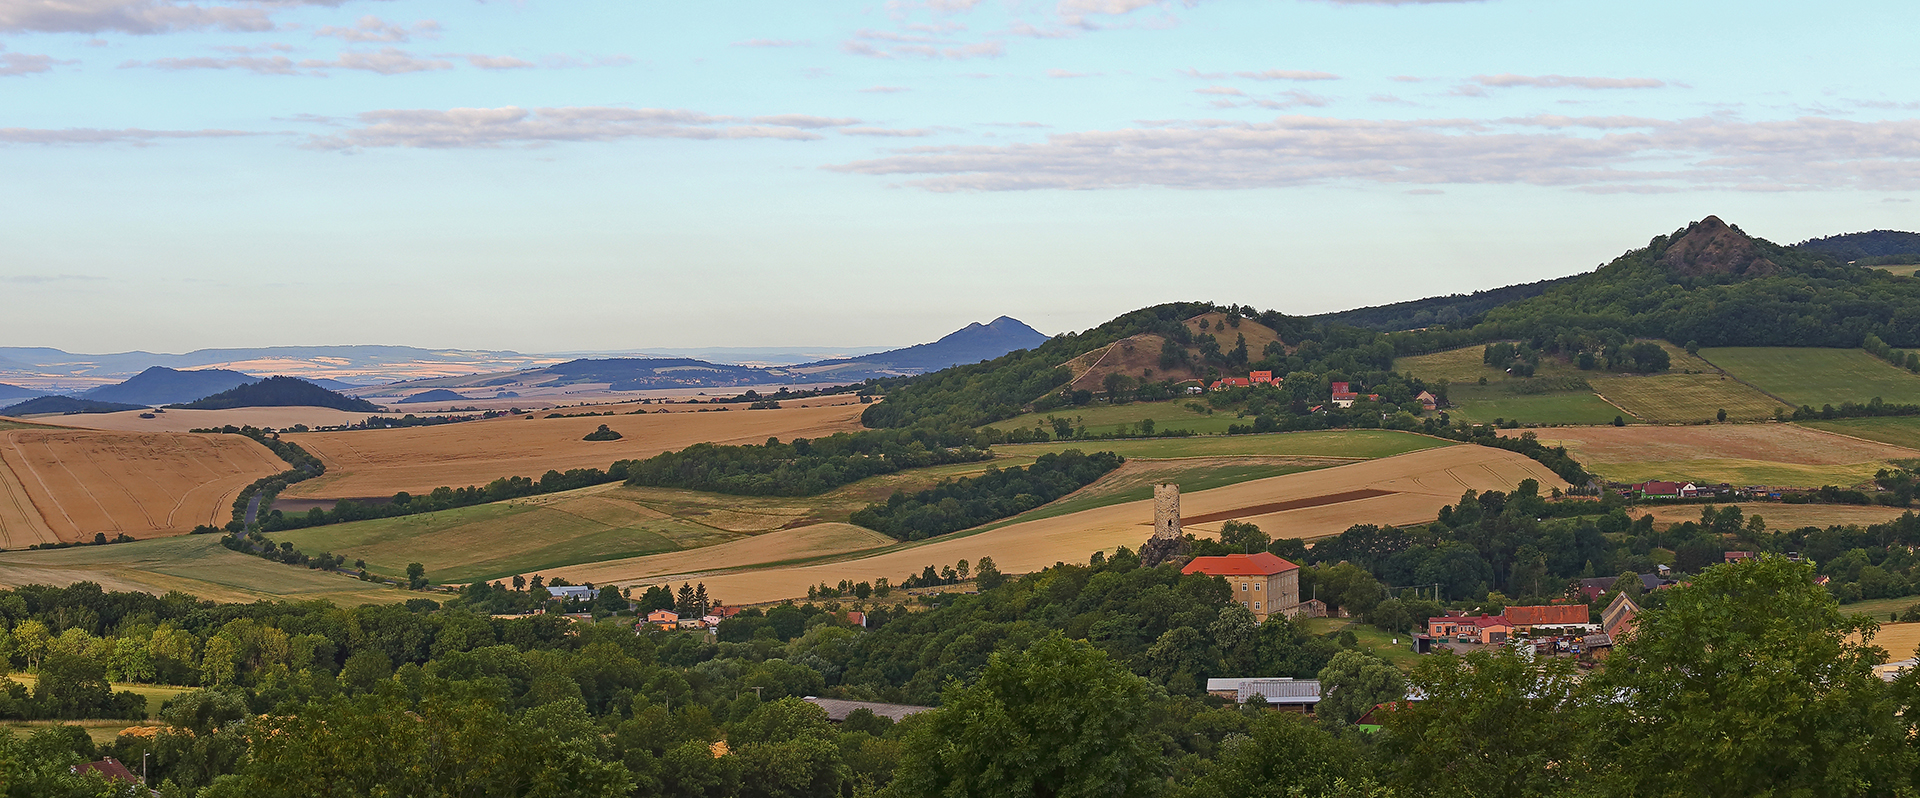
<point x="183" y="420"/>
<point x="1412" y="489"/>
<point x="1781" y="455"/>
<point x="145" y="485"/>
<point x="378" y="463"/>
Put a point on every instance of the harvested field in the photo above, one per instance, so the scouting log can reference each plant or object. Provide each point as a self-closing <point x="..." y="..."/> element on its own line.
<point x="786" y="545"/>
<point x="195" y="564"/>
<point x="1780" y="455"/>
<point x="1783" y="517"/>
<point x="144" y="485"/>
<point x="1901" y="640"/>
<point x="183" y="420"/>
<point x="1418" y="484"/>
<point x="1815" y="377"/>
<point x="384" y="462"/>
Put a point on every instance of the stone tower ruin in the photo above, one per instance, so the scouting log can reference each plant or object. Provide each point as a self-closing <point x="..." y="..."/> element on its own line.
<point x="1167" y="544"/>
<point x="1166" y="512"/>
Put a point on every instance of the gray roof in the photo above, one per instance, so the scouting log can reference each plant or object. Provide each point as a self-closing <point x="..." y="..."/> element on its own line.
<point x="838" y="710"/>
<point x="572" y="591"/>
<point x="1275" y="690"/>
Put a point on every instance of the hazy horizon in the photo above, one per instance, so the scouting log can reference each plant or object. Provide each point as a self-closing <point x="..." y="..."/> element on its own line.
<point x="546" y="177"/>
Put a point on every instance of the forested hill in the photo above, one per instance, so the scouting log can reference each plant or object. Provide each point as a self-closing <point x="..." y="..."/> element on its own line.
<point x="1707" y="283"/>
<point x="160" y="385"/>
<point x="1870" y="244"/>
<point x="1712" y="284"/>
<point x="281" y="392"/>
<point x="1440" y="310"/>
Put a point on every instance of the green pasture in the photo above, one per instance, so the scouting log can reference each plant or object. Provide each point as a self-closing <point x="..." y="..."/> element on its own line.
<point x="1677" y="397"/>
<point x="1373" y="639"/>
<point x="1815" y="377"/>
<point x="1480" y="404"/>
<point x="1365" y="444"/>
<point x="1896" y="430"/>
<point x="196" y="564"/>
<point x="1107" y="419"/>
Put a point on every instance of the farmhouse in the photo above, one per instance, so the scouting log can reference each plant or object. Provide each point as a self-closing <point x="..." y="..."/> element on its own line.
<point x="1261" y="582"/>
<point x="1299" y="695"/>
<point x="1261" y="378"/>
<point x="1225" y="383"/>
<point x="663" y="619"/>
<point x="580" y="592"/>
<point x="109" y="769"/>
<point x="1515" y="620"/>
<point x="1470" y="628"/>
<point x="1343" y="396"/>
<point x="1666" y="490"/>
<point x="1617" y="618"/>
<point x="1427" y="400"/>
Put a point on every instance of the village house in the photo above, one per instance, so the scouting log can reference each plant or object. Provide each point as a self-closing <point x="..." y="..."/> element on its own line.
<point x="1617" y="618"/>
<point x="1263" y="583"/>
<point x="1470" y="628"/>
<point x="1343" y="396"/>
<point x="838" y="709"/>
<point x="1741" y="556"/>
<point x="1666" y="490"/>
<point x="1262" y="378"/>
<point x="663" y="619"/>
<point x="1298" y="695"/>
<point x="580" y="592"/>
<point x="1225" y="383"/>
<point x="1427" y="401"/>
<point x="1515" y="620"/>
<point x="1551" y="616"/>
<point x="109" y="769"/>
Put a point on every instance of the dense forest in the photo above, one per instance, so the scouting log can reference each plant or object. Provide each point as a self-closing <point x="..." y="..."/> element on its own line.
<point x="802" y="467"/>
<point x="967" y="502"/>
<point x="1871" y="244"/>
<point x="281" y="392"/>
<point x="65" y="405"/>
<point x="1443" y="310"/>
<point x="1076" y="680"/>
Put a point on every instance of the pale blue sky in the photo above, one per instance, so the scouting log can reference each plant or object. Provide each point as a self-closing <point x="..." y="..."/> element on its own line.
<point x="540" y="175"/>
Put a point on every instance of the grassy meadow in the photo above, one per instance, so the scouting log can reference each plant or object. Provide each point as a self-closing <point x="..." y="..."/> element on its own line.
<point x="1692" y="390"/>
<point x="1187" y="414"/>
<point x="1815" y="377"/>
<point x="1896" y="430"/>
<point x="196" y="564"/>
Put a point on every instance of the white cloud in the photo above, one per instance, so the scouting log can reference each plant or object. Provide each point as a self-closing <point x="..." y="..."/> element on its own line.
<point x="374" y="29"/>
<point x="143" y="16"/>
<point x="12" y="64"/>
<point x="887" y="132"/>
<point x="388" y="61"/>
<point x="260" y="65"/>
<point x="885" y="89"/>
<point x="1288" y="74"/>
<point x="513" y="126"/>
<point x="496" y="61"/>
<point x="82" y="135"/>
<point x="1567" y="82"/>
<point x="1221" y="90"/>
<point x="1614" y="155"/>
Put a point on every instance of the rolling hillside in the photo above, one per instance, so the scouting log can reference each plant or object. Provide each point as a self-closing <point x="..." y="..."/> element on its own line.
<point x="160" y="385"/>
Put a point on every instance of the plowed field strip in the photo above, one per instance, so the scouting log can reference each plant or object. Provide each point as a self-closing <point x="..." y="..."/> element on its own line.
<point x="1290" y="504"/>
<point x="20" y="522"/>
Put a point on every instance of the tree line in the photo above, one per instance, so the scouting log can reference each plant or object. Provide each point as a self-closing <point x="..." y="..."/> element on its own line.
<point x="957" y="504"/>
<point x="803" y="467"/>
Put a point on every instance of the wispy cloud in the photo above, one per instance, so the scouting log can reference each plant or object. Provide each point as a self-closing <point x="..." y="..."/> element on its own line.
<point x="374" y="29"/>
<point x="885" y="89"/>
<point x="458" y="128"/>
<point x="496" y="61"/>
<point x="83" y="135"/>
<point x="1566" y="82"/>
<point x="385" y="61"/>
<point x="773" y="43"/>
<point x="12" y="64"/>
<point x="1604" y="154"/>
<point x="144" y="16"/>
<point x="913" y="132"/>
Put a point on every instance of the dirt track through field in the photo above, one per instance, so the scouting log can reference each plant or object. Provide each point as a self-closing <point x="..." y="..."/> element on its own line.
<point x="1410" y="488"/>
<point x="1294" y="504"/>
<point x="419" y="459"/>
<point x="81" y="482"/>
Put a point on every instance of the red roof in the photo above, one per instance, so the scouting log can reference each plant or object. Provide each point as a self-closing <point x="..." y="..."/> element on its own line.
<point x="1340" y="387"/>
<point x="1260" y="376"/>
<point x="109" y="768"/>
<point x="1552" y="615"/>
<point x="1262" y="564"/>
<point x="1232" y="382"/>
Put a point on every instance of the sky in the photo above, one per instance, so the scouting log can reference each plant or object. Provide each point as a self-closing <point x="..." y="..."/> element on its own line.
<point x="584" y="175"/>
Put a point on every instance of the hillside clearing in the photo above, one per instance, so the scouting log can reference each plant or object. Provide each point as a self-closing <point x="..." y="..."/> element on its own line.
<point x="1418" y="484"/>
<point x="140" y="484"/>
<point x="419" y="459"/>
<point x="1692" y="390"/>
<point x="1815" y="377"/>
<point x="1779" y="455"/>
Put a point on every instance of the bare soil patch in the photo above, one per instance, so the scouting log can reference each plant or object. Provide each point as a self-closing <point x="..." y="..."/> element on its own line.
<point x="1291" y="504"/>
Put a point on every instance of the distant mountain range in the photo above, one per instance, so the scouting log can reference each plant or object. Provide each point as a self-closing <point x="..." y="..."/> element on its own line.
<point x="160" y="385"/>
<point x="971" y="344"/>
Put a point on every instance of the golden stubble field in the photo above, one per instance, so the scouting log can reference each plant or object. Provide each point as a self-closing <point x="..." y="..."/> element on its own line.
<point x="1780" y="455"/>
<point x="1415" y="486"/>
<point x="379" y="463"/>
<point x="183" y="420"/>
<point x="145" y="485"/>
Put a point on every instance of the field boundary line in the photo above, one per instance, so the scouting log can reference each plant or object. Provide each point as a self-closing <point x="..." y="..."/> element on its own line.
<point x="1730" y="375"/>
<point x="1617" y="406"/>
<point x="1849" y="437"/>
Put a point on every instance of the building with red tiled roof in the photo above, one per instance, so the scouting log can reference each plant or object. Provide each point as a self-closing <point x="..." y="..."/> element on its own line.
<point x="1525" y="618"/>
<point x="1230" y="382"/>
<point x="1263" y="583"/>
<point x="108" y="768"/>
<point x="1343" y="395"/>
<point x="1261" y="377"/>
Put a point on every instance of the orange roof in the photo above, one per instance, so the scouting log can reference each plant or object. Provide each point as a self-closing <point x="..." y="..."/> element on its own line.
<point x="1556" y="615"/>
<point x="1262" y="564"/>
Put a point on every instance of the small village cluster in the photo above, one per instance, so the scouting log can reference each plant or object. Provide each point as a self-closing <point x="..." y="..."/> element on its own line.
<point x="1341" y="394"/>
